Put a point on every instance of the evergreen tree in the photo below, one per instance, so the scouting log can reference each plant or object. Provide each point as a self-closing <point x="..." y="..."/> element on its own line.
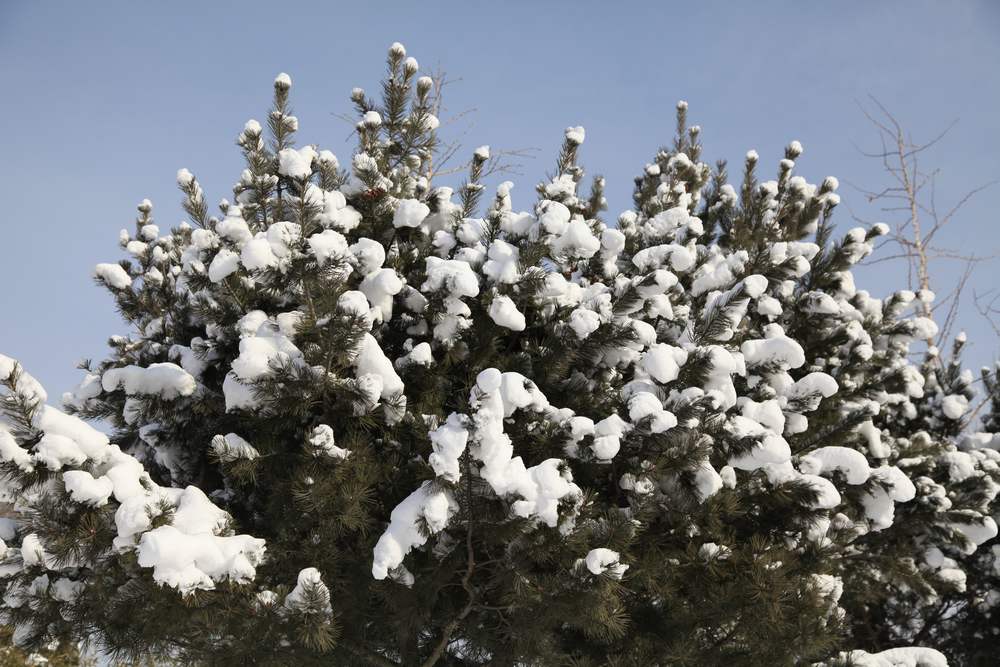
<point x="364" y="419"/>
<point x="915" y="584"/>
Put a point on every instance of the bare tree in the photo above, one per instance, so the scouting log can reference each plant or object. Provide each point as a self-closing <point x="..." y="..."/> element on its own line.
<point x="910" y="198"/>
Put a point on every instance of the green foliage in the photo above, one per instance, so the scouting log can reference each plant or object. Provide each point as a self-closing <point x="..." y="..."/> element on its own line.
<point x="730" y="559"/>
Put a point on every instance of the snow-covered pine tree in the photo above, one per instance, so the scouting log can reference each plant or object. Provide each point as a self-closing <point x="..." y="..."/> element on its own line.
<point x="945" y="592"/>
<point x="967" y="622"/>
<point x="909" y="583"/>
<point x="367" y="419"/>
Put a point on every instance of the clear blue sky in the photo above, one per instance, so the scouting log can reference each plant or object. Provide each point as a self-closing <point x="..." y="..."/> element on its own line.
<point x="103" y="102"/>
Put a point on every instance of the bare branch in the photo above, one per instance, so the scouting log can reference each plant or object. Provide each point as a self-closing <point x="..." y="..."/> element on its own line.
<point x="911" y="197"/>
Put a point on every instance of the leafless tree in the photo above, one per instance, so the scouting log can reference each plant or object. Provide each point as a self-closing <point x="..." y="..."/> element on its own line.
<point x="910" y="199"/>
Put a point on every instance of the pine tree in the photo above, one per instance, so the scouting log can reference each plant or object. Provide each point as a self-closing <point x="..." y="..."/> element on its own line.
<point x="914" y="586"/>
<point x="946" y="593"/>
<point x="361" y="419"/>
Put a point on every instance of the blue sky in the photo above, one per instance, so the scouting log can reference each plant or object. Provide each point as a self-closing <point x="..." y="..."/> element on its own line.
<point x="103" y="102"/>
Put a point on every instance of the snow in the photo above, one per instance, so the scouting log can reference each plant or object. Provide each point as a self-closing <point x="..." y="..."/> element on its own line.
<point x="260" y="353"/>
<point x="448" y="441"/>
<point x="453" y="276"/>
<point x="977" y="530"/>
<point x="584" y="322"/>
<point x="540" y="487"/>
<point x="775" y="348"/>
<point x="323" y="443"/>
<point x="536" y="492"/>
<point x="707" y="481"/>
<point x="924" y="328"/>
<point x="502" y="263"/>
<point x="504" y="312"/>
<point x="575" y="134"/>
<point x="850" y="462"/>
<point x="561" y="187"/>
<point x="710" y="551"/>
<point x="641" y="487"/>
<point x="371" y="361"/>
<point x="113" y="275"/>
<point x="811" y="387"/>
<point x="954" y="406"/>
<point x="54" y="451"/>
<point x="257" y="255"/>
<point x="719" y="383"/>
<point x="768" y="413"/>
<point x="27" y="386"/>
<point x="755" y="286"/>
<point x="605" y="561"/>
<point x="264" y="345"/>
<point x="519" y="393"/>
<point x="961" y="466"/>
<point x="612" y="242"/>
<point x="820" y="303"/>
<point x="327" y="245"/>
<point x="431" y="123"/>
<point x="607" y="437"/>
<point x="11" y="452"/>
<point x="204" y="239"/>
<point x="379" y="287"/>
<point x="643" y="404"/>
<point x="420" y="355"/>
<point x="427" y="506"/>
<point x="576" y="241"/>
<point x="224" y="264"/>
<point x="767" y="305"/>
<point x="909" y="656"/>
<point x="456" y="279"/>
<point x="165" y="380"/>
<point x="196" y="561"/>
<point x="84" y="488"/>
<point x="718" y="271"/>
<point x="185" y="177"/>
<point x="772" y="448"/>
<point x="878" y="502"/>
<point x="333" y="209"/>
<point x="670" y="222"/>
<point x="190" y="360"/>
<point x="309" y="589"/>
<point x="369" y="255"/>
<point x="553" y="217"/>
<point x="87" y="439"/>
<point x="873" y="436"/>
<point x="410" y="213"/>
<point x="663" y="362"/>
<point x="680" y="258"/>
<point x="296" y="163"/>
<point x="231" y="447"/>
<point x="32" y="551"/>
<point x="189" y="551"/>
